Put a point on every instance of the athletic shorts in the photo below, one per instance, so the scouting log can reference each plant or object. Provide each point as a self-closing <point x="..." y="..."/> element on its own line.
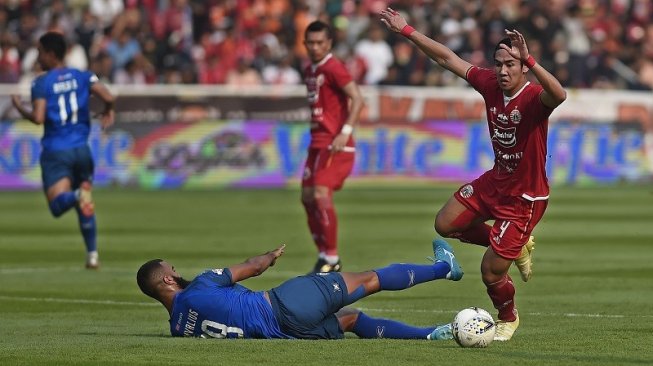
<point x="324" y="168"/>
<point x="515" y="217"/>
<point x="305" y="306"/>
<point x="76" y="164"/>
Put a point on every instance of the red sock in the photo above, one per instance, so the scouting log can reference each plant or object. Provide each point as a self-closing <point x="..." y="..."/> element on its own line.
<point x="502" y="294"/>
<point x="328" y="224"/>
<point x="479" y="235"/>
<point x="312" y="215"/>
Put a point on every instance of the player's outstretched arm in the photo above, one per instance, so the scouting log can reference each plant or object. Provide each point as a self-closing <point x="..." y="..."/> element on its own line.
<point x="554" y="94"/>
<point x="37" y="115"/>
<point x="438" y="52"/>
<point x="101" y="91"/>
<point x="256" y="265"/>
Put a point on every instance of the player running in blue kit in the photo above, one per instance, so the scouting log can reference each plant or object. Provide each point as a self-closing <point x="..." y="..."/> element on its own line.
<point x="314" y="306"/>
<point x="60" y="102"/>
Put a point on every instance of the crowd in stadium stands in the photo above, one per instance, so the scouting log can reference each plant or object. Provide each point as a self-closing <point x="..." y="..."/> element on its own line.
<point x="586" y="43"/>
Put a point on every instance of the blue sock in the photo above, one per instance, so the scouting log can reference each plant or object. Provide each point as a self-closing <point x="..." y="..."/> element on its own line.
<point x="367" y="327"/>
<point x="401" y="276"/>
<point x="88" y="228"/>
<point x="62" y="203"/>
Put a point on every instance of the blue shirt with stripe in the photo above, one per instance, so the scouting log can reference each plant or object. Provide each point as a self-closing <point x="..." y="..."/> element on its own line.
<point x="68" y="119"/>
<point x="211" y="306"/>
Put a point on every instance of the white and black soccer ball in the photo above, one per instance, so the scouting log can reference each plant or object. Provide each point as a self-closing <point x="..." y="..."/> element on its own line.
<point x="473" y="327"/>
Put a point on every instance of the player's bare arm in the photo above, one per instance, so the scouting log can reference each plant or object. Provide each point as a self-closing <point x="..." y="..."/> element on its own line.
<point x="554" y="94"/>
<point x="355" y="108"/>
<point x="438" y="52"/>
<point x="101" y="91"/>
<point x="36" y="116"/>
<point x="254" y="266"/>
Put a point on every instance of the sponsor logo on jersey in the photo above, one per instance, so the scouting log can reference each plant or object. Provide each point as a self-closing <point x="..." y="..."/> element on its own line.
<point x="313" y="85"/>
<point x="336" y="287"/>
<point x="506" y="137"/>
<point x="467" y="191"/>
<point x="502" y="118"/>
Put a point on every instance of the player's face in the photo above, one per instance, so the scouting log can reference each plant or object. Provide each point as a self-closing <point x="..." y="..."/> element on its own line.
<point x="511" y="73"/>
<point x="44" y="59"/>
<point x="317" y="45"/>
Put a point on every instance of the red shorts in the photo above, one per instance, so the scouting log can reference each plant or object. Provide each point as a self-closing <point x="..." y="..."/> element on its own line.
<point x="515" y="217"/>
<point x="324" y="168"/>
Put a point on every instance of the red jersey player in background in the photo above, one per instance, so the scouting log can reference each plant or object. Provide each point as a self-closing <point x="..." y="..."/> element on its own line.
<point x="335" y="103"/>
<point x="514" y="193"/>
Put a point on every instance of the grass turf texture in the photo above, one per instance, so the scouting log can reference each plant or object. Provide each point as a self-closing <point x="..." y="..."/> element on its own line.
<point x="587" y="304"/>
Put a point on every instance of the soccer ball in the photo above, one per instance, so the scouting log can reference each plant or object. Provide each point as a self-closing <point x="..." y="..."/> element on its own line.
<point x="473" y="327"/>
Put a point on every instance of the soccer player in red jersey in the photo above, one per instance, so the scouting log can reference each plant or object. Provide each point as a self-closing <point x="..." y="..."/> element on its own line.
<point x="336" y="103"/>
<point x="514" y="193"/>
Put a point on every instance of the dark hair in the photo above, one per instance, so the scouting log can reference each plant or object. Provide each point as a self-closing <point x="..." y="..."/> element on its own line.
<point x="146" y="277"/>
<point x="319" y="26"/>
<point x="505" y="41"/>
<point x="54" y="42"/>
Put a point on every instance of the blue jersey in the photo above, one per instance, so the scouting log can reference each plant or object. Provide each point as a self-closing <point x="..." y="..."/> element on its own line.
<point x="67" y="120"/>
<point x="212" y="306"/>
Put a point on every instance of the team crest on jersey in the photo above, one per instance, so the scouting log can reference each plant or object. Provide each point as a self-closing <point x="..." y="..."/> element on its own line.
<point x="467" y="191"/>
<point x="218" y="271"/>
<point x="515" y="116"/>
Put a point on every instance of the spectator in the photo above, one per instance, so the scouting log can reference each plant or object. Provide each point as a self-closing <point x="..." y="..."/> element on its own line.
<point x="106" y="11"/>
<point x="606" y="44"/>
<point x="377" y="54"/>
<point x="281" y="74"/>
<point x="243" y="74"/>
<point x="123" y="49"/>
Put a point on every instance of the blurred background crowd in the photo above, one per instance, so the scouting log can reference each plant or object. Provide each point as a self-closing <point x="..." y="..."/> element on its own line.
<point x="586" y="43"/>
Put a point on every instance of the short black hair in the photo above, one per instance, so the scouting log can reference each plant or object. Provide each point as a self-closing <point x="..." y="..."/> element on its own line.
<point x="54" y="42"/>
<point x="319" y="26"/>
<point x="146" y="277"/>
<point x="505" y="41"/>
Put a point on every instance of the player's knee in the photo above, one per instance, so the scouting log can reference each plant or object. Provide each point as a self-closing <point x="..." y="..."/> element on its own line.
<point x="321" y="194"/>
<point x="441" y="227"/>
<point x="347" y="317"/>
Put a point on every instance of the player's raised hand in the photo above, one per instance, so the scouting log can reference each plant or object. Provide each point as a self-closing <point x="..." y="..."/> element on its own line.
<point x="519" y="49"/>
<point x="393" y="20"/>
<point x="278" y="253"/>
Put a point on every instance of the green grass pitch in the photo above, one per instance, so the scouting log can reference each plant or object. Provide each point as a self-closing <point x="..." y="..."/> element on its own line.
<point x="589" y="302"/>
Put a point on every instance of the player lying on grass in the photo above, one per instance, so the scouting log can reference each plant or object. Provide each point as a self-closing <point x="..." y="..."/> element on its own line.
<point x="306" y="307"/>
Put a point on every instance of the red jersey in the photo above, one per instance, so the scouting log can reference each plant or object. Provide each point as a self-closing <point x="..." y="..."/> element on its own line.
<point x="518" y="128"/>
<point x="329" y="103"/>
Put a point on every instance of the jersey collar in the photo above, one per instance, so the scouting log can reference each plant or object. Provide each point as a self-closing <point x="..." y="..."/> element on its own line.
<point x="322" y="62"/>
<point x="507" y="99"/>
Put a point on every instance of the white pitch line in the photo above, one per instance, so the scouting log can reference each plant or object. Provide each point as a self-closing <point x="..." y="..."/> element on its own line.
<point x="568" y="315"/>
<point x="77" y="301"/>
<point x="133" y="303"/>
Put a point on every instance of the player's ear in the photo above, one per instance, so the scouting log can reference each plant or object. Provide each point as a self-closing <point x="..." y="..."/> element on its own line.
<point x="169" y="280"/>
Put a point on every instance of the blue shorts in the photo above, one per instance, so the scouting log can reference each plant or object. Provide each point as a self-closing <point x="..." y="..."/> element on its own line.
<point x="305" y="306"/>
<point x="76" y="164"/>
